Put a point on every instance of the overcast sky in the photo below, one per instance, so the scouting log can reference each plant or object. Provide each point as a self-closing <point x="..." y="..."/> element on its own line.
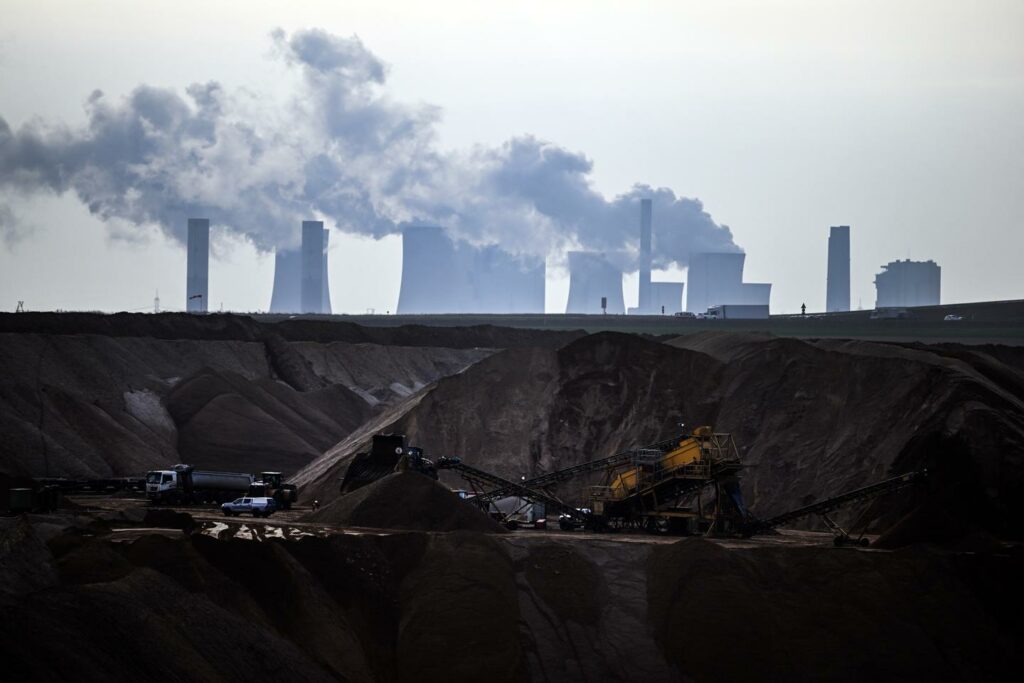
<point x="902" y="119"/>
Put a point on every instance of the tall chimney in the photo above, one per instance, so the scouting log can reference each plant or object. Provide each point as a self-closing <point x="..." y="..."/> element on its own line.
<point x="197" y="276"/>
<point x="312" y="286"/>
<point x="837" y="289"/>
<point x="644" y="302"/>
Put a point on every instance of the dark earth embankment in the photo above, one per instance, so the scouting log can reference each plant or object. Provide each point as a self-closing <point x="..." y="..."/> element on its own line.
<point x="453" y="606"/>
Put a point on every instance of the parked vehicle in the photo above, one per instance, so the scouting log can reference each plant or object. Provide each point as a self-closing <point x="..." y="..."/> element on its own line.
<point x="953" y="317"/>
<point x="257" y="507"/>
<point x="185" y="484"/>
<point x="270" y="485"/>
<point x="684" y="314"/>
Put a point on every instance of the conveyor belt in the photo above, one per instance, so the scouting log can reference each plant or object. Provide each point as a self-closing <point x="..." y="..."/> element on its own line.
<point x="829" y="504"/>
<point x="509" y="488"/>
<point x="583" y="468"/>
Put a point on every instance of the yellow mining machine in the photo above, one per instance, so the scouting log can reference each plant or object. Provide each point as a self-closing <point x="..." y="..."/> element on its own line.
<point x="663" y="488"/>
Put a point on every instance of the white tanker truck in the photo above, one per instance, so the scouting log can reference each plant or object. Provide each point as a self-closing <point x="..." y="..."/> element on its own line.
<point x="185" y="484"/>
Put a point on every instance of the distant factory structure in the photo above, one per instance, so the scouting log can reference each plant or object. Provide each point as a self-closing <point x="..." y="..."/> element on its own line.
<point x="716" y="279"/>
<point x="908" y="283"/>
<point x="653" y="298"/>
<point x="287" y="294"/>
<point x="443" y="276"/>
<point x="197" y="266"/>
<point x="837" y="290"/>
<point x="593" y="279"/>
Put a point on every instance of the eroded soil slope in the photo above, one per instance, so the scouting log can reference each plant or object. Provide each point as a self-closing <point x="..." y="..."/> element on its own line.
<point x="87" y="405"/>
<point x="810" y="419"/>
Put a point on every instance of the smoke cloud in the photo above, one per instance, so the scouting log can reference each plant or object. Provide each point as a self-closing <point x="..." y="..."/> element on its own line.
<point x="339" y="148"/>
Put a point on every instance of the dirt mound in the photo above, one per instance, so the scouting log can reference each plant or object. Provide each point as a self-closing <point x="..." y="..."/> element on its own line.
<point x="225" y="421"/>
<point x="90" y="406"/>
<point x="405" y="500"/>
<point x="824" y="614"/>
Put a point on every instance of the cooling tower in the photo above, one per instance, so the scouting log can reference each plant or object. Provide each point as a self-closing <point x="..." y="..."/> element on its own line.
<point x="837" y="289"/>
<point x="287" y="294"/>
<point x="439" y="276"/>
<point x="716" y="279"/>
<point x="644" y="302"/>
<point x="503" y="283"/>
<point x="592" y="277"/>
<point x="713" y="280"/>
<point x="666" y="298"/>
<point x="197" y="277"/>
<point x="287" y="281"/>
<point x="311" y="287"/>
<point x="432" y="278"/>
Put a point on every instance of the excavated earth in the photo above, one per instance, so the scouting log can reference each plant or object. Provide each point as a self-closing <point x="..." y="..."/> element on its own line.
<point x="810" y="419"/>
<point x="402" y="580"/>
<point x="81" y="604"/>
<point x="100" y="396"/>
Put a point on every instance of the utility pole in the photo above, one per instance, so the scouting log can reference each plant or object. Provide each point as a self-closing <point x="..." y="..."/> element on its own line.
<point x="20" y="308"/>
<point x="156" y="302"/>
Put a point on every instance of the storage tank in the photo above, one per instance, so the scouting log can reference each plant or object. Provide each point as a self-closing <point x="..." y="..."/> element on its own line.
<point x="223" y="481"/>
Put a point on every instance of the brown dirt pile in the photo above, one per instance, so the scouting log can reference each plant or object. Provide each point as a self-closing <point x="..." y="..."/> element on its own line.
<point x="405" y="500"/>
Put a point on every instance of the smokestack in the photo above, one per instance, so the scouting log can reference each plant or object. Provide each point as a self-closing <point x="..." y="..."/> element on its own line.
<point x="644" y="302"/>
<point x="312" y="285"/>
<point x="197" y="278"/>
<point x="592" y="277"/>
<point x="837" y="290"/>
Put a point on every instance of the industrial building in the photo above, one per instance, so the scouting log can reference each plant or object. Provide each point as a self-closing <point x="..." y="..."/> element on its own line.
<point x="442" y="276"/>
<point x="286" y="296"/>
<point x="197" y="276"/>
<point x="716" y="279"/>
<point x="908" y="283"/>
<point x="593" y="278"/>
<point x="837" y="296"/>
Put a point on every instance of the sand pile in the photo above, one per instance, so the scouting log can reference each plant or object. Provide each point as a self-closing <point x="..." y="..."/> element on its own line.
<point x="405" y="500"/>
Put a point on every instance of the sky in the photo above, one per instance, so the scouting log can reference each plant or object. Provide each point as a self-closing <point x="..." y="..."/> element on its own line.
<point x="902" y="119"/>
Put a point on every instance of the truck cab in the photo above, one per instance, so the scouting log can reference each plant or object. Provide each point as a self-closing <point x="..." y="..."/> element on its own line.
<point x="159" y="483"/>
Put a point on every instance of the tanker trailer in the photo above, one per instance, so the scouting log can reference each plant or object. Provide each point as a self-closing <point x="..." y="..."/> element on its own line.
<point x="185" y="484"/>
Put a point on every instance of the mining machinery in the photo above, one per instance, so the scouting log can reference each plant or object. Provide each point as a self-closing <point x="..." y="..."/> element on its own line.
<point x="684" y="485"/>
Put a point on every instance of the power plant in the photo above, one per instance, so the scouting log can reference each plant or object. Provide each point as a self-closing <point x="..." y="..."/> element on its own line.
<point x="716" y="279"/>
<point x="837" y="295"/>
<point x="197" y="278"/>
<point x="442" y="276"/>
<point x="908" y="283"/>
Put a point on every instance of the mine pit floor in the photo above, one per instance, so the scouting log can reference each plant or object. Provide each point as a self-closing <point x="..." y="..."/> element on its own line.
<point x="286" y="525"/>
